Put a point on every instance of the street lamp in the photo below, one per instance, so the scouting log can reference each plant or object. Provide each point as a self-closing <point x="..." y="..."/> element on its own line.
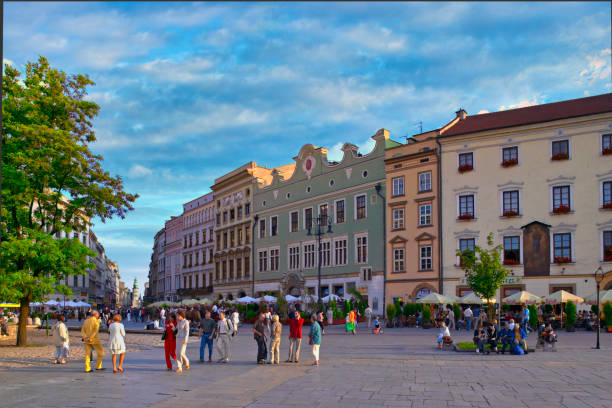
<point x="320" y="223"/>
<point x="599" y="275"/>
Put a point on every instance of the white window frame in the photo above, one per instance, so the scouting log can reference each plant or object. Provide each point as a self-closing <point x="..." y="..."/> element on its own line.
<point x="366" y="269"/>
<point x="552" y="243"/>
<point x="289" y="255"/>
<point x="345" y="239"/>
<point x="331" y="253"/>
<point x="355" y="206"/>
<point x="259" y="227"/>
<point x="430" y="214"/>
<point x="298" y="220"/>
<point x="336" y="213"/>
<point x="263" y="252"/>
<point x="514" y="233"/>
<point x="601" y="192"/>
<point x="458" y="245"/>
<point x="403" y="259"/>
<point x="466" y="193"/>
<point x="421" y="258"/>
<point x="571" y="193"/>
<point x="520" y="199"/>
<point x="314" y="254"/>
<point x="601" y="242"/>
<point x="367" y="252"/>
<point x="394" y="219"/>
<point x="304" y="218"/>
<point x="319" y="210"/>
<point x="569" y="146"/>
<point x="423" y="173"/>
<point x="277" y="248"/>
<point x="518" y="152"/>
<point x="473" y="159"/>
<point x="398" y="179"/>
<point x="601" y="136"/>
<point x="277" y="229"/>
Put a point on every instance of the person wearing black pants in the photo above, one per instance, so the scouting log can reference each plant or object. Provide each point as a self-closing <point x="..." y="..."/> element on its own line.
<point x="260" y="337"/>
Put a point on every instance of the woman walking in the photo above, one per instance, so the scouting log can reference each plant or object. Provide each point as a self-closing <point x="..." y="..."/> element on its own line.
<point x="182" y="338"/>
<point x="61" y="340"/>
<point x="315" y="339"/>
<point x="170" y="340"/>
<point x="116" y="339"/>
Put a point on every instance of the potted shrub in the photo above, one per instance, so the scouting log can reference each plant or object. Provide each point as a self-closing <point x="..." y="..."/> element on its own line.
<point x="390" y="315"/>
<point x="426" y="316"/>
<point x="510" y="162"/>
<point x="511" y="262"/>
<point x="607" y="310"/>
<point x="533" y="316"/>
<point x="466" y="216"/>
<point x="606" y="150"/>
<point x="562" y="209"/>
<point x="511" y="213"/>
<point x="607" y="205"/>
<point x="608" y="255"/>
<point x="465" y="167"/>
<point x="560" y="156"/>
<point x="570" y="316"/>
<point x="562" y="260"/>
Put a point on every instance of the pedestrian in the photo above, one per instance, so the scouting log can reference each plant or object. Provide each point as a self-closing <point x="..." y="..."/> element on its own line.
<point x="89" y="332"/>
<point x="169" y="338"/>
<point x="330" y="316"/>
<point x="223" y="331"/>
<point x="162" y="317"/>
<point x="353" y="318"/>
<point x="451" y="318"/>
<point x="468" y="317"/>
<point x="295" y="338"/>
<point x="207" y="326"/>
<point x="275" y="338"/>
<point x="182" y="338"/>
<point x="525" y="321"/>
<point x="321" y="321"/>
<point x="259" y="333"/>
<point x="116" y="340"/>
<point x="368" y="315"/>
<point x="61" y="340"/>
<point x="315" y="339"/>
<point x="235" y="320"/>
<point x="444" y="333"/>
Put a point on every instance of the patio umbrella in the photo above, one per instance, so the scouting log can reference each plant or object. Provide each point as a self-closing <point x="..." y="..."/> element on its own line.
<point x="604" y="296"/>
<point x="327" y="298"/>
<point x="51" y="303"/>
<point x="269" y="299"/>
<point x="562" y="296"/>
<point x="435" y="298"/>
<point x="189" y="302"/>
<point x="473" y="299"/>
<point x="290" y="298"/>
<point x="246" y="299"/>
<point x="83" y="304"/>
<point x="522" y="297"/>
<point x="35" y="304"/>
<point x="310" y="298"/>
<point x="70" y="303"/>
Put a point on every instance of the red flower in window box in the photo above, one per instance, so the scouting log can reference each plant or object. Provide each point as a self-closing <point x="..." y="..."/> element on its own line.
<point x="607" y="205"/>
<point x="606" y="151"/>
<point x="511" y="262"/>
<point x="560" y="156"/>
<point x="608" y="257"/>
<point x="562" y="260"/>
<point x="466" y="217"/>
<point x="510" y="162"/>
<point x="562" y="209"/>
<point x="511" y="213"/>
<point x="465" y="167"/>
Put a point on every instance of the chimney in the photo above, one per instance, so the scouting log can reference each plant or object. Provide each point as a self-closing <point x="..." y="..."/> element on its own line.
<point x="461" y="113"/>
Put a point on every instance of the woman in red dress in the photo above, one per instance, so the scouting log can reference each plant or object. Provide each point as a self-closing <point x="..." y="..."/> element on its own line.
<point x="170" y="340"/>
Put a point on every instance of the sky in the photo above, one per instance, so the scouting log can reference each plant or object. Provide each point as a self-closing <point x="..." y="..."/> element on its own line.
<point x="191" y="91"/>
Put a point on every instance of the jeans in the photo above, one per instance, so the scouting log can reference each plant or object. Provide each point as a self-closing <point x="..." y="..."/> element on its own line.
<point x="61" y="352"/>
<point x="262" y="350"/>
<point x="206" y="341"/>
<point x="480" y="343"/>
<point x="469" y="323"/>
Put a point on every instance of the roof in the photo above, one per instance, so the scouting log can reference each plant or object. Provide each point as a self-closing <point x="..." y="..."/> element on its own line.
<point x="533" y="114"/>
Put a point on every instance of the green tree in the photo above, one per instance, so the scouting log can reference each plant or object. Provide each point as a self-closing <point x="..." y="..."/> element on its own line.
<point x="484" y="270"/>
<point x="533" y="316"/>
<point x="570" y="314"/>
<point x="51" y="182"/>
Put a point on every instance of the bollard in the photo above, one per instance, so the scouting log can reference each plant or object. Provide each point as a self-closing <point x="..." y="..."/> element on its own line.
<point x="47" y="320"/>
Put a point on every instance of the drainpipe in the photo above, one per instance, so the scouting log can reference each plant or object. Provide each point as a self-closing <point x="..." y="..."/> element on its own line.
<point x="378" y="187"/>
<point x="440" y="265"/>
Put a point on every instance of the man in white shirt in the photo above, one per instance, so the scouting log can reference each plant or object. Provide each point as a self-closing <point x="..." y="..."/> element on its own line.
<point x="235" y="320"/>
<point x="225" y="328"/>
<point x="368" y="315"/>
<point x="162" y="316"/>
<point x="468" y="317"/>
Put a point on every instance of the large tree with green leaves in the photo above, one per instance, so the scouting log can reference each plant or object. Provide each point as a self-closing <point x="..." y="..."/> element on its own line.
<point x="51" y="182"/>
<point x="484" y="270"/>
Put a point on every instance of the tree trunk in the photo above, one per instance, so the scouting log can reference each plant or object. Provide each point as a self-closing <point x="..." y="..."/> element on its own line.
<point x="24" y="312"/>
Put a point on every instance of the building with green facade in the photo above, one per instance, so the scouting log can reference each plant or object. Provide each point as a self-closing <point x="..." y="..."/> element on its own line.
<point x="341" y="195"/>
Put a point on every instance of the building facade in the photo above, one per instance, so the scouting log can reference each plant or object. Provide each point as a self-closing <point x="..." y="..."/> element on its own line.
<point x="344" y="197"/>
<point x="540" y="179"/>
<point x="157" y="268"/>
<point x="198" y="247"/>
<point x="173" y="256"/>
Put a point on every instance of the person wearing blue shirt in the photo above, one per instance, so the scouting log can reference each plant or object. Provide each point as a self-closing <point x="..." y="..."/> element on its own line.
<point x="525" y="320"/>
<point x="315" y="339"/>
<point x="506" y="338"/>
<point x="519" y="338"/>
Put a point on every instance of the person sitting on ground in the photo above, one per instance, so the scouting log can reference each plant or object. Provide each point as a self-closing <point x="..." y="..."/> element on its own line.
<point x="491" y="336"/>
<point x="549" y="336"/>
<point x="519" y="338"/>
<point x="479" y="339"/>
<point x="444" y="335"/>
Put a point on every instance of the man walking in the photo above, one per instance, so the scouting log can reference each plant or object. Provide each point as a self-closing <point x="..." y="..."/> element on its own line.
<point x="275" y="337"/>
<point x="525" y="321"/>
<point x="368" y="315"/>
<point x="182" y="338"/>
<point x="468" y="317"/>
<point x="224" y="330"/>
<point x="89" y="332"/>
<point x="208" y="330"/>
<point x="295" y="338"/>
<point x="162" y="317"/>
<point x="451" y="318"/>
<point x="260" y="337"/>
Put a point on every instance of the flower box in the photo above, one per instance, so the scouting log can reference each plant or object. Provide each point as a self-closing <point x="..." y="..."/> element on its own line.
<point x="607" y="205"/>
<point x="562" y="209"/>
<point x="562" y="260"/>
<point x="466" y="217"/>
<point x="465" y="167"/>
<point x="560" y="156"/>
<point x="608" y="257"/>
<point x="606" y="150"/>
<point x="511" y="262"/>
<point x="509" y="162"/>
<point x="511" y="213"/>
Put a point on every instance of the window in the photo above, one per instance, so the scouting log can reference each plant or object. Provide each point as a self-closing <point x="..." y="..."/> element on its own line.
<point x="398" y="218"/>
<point x="224" y="270"/>
<point x="466" y="244"/>
<point x="360" y="204"/>
<point x="308" y="218"/>
<point x="398" y="186"/>
<point x="607" y="246"/>
<point x="190" y="240"/>
<point x="466" y="207"/>
<point x="239" y="210"/>
<point x="294" y="221"/>
<point x="190" y="260"/>
<point x="274" y="258"/>
<point x="247" y="266"/>
<point x="240" y="236"/>
<point x="560" y="150"/>
<point x="274" y="226"/>
<point x="210" y="235"/>
<point x="561" y="199"/>
<point x="425" y="181"/>
<point x="323" y="214"/>
<point x="362" y="249"/>
<point x="218" y="219"/>
<point x="218" y="242"/>
<point x="339" y="211"/>
<point x="366" y="274"/>
<point x="197" y="261"/>
<point x="510" y="156"/>
<point x="247" y="235"/>
<point x="309" y="256"/>
<point x="398" y="260"/>
<point x="232" y="213"/>
<point x="217" y="271"/>
<point x="224" y="217"/>
<point x="425" y="258"/>
<point x="225" y="240"/>
<point x="294" y="257"/>
<point x="238" y="268"/>
<point x="606" y="188"/>
<point x="466" y="162"/>
<point x="425" y="214"/>
<point x="340" y="251"/>
<point x="263" y="261"/>
<point x="325" y="253"/>
<point x="510" y="203"/>
<point x="247" y="209"/>
<point x="185" y="239"/>
<point x="562" y="248"/>
<point x="231" y="269"/>
<point x="262" y="228"/>
<point x="606" y="144"/>
<point x="512" y="250"/>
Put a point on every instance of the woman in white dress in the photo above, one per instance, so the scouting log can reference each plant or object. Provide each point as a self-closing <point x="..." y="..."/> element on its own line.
<point x="116" y="340"/>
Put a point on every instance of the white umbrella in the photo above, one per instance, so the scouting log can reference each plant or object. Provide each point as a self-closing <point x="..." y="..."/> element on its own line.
<point x="36" y="304"/>
<point x="435" y="298"/>
<point x="561" y="296"/>
<point x="51" y="303"/>
<point x="246" y="299"/>
<point x="330" y="297"/>
<point x="290" y="298"/>
<point x="83" y="304"/>
<point x="473" y="299"/>
<point x="604" y="296"/>
<point x="522" y="297"/>
<point x="70" y="303"/>
<point x="269" y="299"/>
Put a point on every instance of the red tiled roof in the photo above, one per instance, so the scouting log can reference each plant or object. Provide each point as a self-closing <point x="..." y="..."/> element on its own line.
<point x="532" y="114"/>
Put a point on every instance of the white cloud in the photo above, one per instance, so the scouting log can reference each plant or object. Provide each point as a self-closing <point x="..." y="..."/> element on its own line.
<point x="598" y="67"/>
<point x="7" y="61"/>
<point x="139" y="171"/>
<point x="482" y="112"/>
<point x="522" y="104"/>
<point x="380" y="39"/>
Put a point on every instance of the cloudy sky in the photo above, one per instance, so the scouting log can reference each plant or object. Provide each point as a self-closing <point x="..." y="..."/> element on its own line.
<point x="190" y="91"/>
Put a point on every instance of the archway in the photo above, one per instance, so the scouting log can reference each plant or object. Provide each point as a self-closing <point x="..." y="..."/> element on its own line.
<point x="422" y="290"/>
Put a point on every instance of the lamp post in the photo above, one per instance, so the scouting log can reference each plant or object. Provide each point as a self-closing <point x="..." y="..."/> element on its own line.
<point x="255" y="221"/>
<point x="599" y="275"/>
<point x="320" y="223"/>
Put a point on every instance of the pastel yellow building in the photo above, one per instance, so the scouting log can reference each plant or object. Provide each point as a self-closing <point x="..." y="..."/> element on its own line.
<point x="540" y="179"/>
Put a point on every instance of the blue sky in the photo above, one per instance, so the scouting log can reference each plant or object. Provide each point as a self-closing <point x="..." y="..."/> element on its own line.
<point x="190" y="91"/>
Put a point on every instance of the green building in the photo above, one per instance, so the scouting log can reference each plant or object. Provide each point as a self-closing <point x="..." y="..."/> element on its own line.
<point x="341" y="196"/>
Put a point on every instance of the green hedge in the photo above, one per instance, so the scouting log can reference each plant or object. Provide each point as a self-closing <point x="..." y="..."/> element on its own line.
<point x="570" y="314"/>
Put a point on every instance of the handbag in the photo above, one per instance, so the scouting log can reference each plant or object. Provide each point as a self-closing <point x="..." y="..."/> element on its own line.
<point x="164" y="335"/>
<point x="310" y="340"/>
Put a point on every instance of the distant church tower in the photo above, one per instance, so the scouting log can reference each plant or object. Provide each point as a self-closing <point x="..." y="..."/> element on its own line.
<point x="135" y="294"/>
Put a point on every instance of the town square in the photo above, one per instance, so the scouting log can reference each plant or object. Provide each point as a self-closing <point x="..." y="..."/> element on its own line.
<point x="317" y="204"/>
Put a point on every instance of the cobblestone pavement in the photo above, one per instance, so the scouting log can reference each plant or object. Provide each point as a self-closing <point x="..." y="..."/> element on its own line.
<point x="399" y="368"/>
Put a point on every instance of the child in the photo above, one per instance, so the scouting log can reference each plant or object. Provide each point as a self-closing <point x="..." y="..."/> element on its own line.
<point x="61" y="340"/>
<point x="376" y="329"/>
<point x="444" y="332"/>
